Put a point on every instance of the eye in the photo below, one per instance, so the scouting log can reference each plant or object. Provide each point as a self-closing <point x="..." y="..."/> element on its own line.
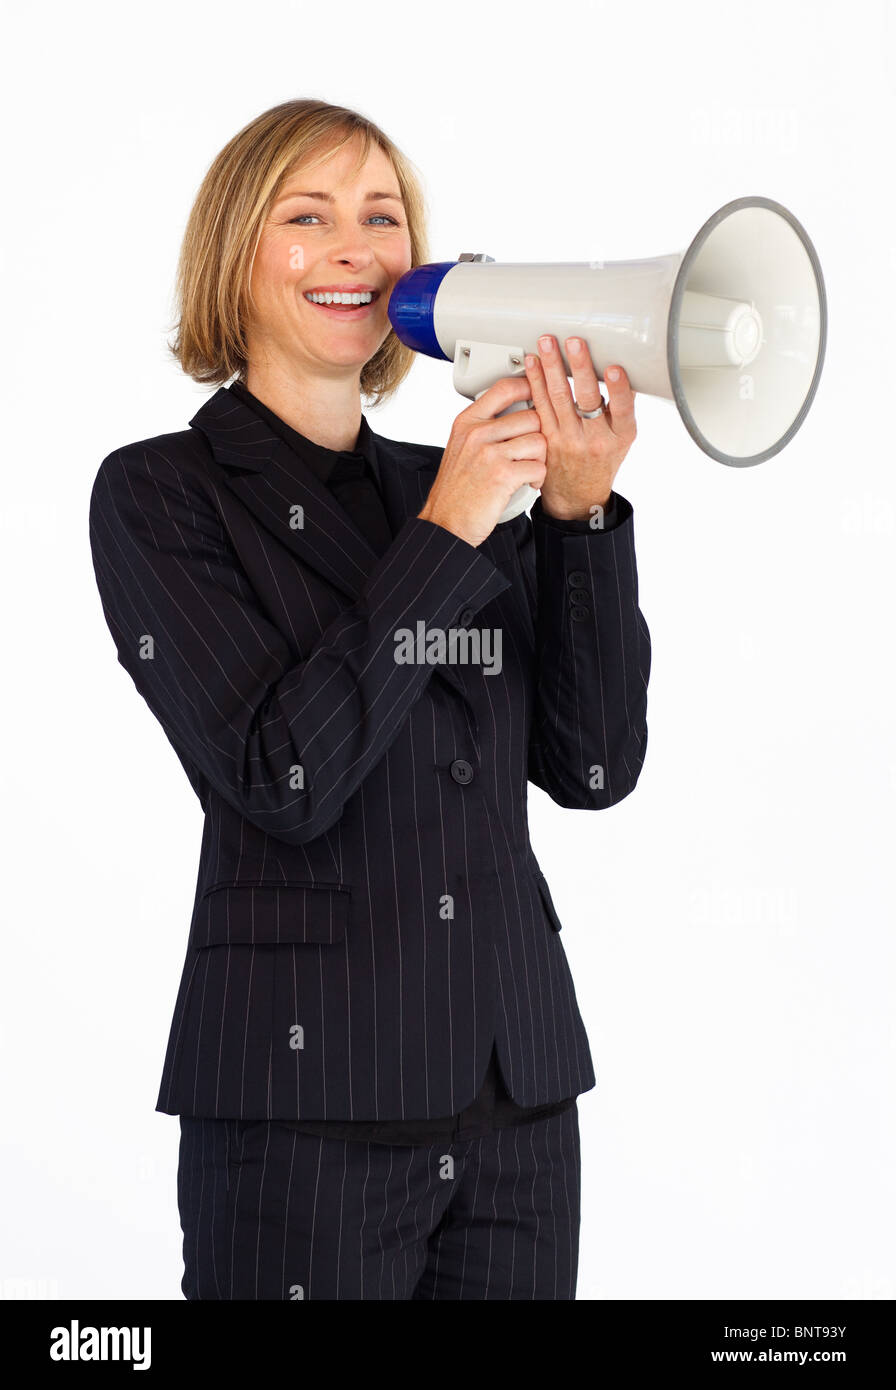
<point x="380" y="215"/>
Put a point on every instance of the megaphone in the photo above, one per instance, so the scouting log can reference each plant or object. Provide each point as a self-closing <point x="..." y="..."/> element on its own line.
<point x="733" y="329"/>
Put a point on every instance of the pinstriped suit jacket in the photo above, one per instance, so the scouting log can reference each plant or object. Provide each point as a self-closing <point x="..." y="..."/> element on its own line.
<point x="368" y="914"/>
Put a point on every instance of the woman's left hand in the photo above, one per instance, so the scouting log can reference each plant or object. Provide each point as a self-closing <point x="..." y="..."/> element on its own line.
<point x="583" y="456"/>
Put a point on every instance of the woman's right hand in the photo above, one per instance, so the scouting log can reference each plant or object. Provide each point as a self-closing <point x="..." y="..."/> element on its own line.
<point x="485" y="461"/>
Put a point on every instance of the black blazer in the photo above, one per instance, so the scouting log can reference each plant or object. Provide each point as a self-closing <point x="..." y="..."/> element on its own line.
<point x="369" y="915"/>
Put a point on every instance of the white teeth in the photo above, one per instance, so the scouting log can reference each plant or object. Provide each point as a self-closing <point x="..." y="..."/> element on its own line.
<point x="328" y="297"/>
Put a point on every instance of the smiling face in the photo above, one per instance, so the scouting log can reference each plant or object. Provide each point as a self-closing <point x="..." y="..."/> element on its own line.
<point x="328" y="232"/>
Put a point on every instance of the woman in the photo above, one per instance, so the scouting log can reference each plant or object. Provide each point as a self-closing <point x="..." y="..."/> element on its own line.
<point x="376" y="1048"/>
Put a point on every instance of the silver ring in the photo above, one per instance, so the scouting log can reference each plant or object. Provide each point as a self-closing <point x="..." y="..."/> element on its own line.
<point x="591" y="414"/>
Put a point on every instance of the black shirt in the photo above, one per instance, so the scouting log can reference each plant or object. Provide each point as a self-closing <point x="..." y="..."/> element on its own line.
<point x="354" y="479"/>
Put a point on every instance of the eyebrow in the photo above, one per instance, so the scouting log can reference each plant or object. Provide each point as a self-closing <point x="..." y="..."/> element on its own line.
<point x="328" y="197"/>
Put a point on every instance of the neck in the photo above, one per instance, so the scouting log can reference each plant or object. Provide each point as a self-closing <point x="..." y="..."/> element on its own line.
<point x="325" y="409"/>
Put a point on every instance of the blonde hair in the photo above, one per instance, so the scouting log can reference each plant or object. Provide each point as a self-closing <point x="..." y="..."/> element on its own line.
<point x="225" y="225"/>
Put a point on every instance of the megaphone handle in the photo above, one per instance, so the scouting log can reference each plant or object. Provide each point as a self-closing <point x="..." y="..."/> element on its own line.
<point x="477" y="366"/>
<point x="525" y="495"/>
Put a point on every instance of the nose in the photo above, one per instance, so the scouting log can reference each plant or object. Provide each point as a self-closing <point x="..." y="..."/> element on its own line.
<point x="352" y="253"/>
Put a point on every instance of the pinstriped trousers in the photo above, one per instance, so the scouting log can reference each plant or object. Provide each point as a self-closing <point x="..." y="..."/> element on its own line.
<point x="268" y="1212"/>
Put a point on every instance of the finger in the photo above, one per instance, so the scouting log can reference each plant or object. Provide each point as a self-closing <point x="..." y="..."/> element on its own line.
<point x="509" y="426"/>
<point x="586" y="386"/>
<point x="507" y="390"/>
<point x="556" y="383"/>
<point x="538" y="391"/>
<point x="622" y="401"/>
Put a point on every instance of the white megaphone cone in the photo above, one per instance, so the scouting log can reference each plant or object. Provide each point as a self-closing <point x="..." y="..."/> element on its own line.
<point x="733" y="329"/>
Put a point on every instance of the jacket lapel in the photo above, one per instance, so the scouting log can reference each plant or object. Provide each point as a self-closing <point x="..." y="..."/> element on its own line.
<point x="268" y="478"/>
<point x="262" y="470"/>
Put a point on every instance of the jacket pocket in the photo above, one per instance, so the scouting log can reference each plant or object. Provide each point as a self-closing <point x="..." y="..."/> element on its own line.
<point x="546" y="898"/>
<point x="271" y="914"/>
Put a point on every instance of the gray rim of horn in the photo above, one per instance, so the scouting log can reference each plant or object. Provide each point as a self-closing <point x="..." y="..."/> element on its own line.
<point x="672" y="335"/>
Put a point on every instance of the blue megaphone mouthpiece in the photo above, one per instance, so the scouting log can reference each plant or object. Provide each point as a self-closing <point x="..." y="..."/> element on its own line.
<point x="411" y="306"/>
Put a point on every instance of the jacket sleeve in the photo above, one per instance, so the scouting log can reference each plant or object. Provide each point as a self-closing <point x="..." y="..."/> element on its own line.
<point x="286" y="743"/>
<point x="592" y="657"/>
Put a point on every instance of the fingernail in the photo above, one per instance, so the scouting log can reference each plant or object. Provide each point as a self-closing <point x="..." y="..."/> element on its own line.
<point x="545" y="344"/>
<point x="613" y="374"/>
<point x="530" y="360"/>
<point x="574" y="344"/>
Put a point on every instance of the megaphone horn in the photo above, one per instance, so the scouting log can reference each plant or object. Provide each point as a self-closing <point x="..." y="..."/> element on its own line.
<point x="733" y="329"/>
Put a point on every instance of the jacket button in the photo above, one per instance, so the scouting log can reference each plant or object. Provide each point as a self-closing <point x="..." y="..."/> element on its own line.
<point x="579" y="596"/>
<point x="462" y="771"/>
<point x="580" y="614"/>
<point x="465" y="616"/>
<point x="576" y="578"/>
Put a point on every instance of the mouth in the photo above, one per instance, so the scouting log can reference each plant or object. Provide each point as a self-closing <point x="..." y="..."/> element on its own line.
<point x="351" y="311"/>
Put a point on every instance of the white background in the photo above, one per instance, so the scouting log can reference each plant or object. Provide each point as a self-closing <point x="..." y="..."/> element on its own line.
<point x="729" y="925"/>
